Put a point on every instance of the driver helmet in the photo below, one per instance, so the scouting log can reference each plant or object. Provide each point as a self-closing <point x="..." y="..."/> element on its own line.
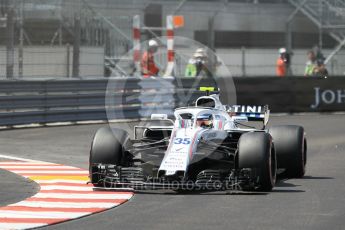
<point x="204" y="121"/>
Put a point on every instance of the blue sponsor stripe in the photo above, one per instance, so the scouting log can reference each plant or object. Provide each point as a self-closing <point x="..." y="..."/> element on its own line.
<point x="255" y="115"/>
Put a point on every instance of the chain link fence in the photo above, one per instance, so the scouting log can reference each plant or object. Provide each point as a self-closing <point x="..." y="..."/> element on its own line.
<point x="87" y="38"/>
<point x="59" y="38"/>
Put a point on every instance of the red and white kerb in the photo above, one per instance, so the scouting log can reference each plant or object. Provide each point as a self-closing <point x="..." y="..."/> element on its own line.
<point x="64" y="195"/>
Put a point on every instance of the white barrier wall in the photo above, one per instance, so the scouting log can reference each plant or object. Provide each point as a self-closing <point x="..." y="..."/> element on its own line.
<point x="53" y="61"/>
<point x="262" y="62"/>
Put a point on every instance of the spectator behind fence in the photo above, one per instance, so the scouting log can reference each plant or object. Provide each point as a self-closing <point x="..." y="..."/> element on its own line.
<point x="197" y="65"/>
<point x="311" y="64"/>
<point x="281" y="66"/>
<point x="148" y="65"/>
<point x="320" y="70"/>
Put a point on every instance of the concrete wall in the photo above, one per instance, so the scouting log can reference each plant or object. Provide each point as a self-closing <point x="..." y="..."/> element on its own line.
<point x="239" y="17"/>
<point x="261" y="62"/>
<point x="52" y="61"/>
<point x="45" y="61"/>
<point x="258" y="62"/>
<point x="230" y="16"/>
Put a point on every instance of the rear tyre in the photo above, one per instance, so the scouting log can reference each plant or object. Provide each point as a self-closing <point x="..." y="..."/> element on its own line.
<point x="108" y="147"/>
<point x="291" y="148"/>
<point x="256" y="151"/>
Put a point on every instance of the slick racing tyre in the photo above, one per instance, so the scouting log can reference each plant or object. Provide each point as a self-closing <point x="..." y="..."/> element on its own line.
<point x="256" y="151"/>
<point x="108" y="147"/>
<point x="291" y="148"/>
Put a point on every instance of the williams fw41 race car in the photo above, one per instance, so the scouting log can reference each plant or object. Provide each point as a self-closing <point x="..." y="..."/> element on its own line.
<point x="207" y="146"/>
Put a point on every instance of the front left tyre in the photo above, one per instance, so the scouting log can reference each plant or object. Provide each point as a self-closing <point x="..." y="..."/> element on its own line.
<point x="256" y="152"/>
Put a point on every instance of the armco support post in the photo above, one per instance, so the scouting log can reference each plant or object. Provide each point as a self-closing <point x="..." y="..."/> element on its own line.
<point x="10" y="43"/>
<point x="76" y="47"/>
<point x="68" y="54"/>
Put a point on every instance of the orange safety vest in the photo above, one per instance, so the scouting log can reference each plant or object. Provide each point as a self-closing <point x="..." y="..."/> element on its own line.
<point x="148" y="66"/>
<point x="281" y="68"/>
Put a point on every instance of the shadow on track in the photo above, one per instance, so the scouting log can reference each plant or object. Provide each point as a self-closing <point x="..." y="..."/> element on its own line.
<point x="317" y="178"/>
<point x="282" y="186"/>
<point x="200" y="193"/>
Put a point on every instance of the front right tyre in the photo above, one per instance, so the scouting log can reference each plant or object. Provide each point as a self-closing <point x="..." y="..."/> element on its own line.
<point x="108" y="147"/>
<point x="291" y="148"/>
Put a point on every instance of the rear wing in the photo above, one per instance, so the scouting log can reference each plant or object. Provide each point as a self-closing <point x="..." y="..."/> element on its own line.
<point x="250" y="113"/>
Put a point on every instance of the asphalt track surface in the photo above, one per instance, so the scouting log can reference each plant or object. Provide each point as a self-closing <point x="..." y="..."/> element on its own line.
<point x="315" y="202"/>
<point x="15" y="188"/>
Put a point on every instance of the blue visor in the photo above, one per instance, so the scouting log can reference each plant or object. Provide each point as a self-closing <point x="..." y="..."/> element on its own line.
<point x="204" y="117"/>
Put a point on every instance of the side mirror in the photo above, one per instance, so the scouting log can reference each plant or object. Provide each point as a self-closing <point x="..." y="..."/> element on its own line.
<point x="159" y="116"/>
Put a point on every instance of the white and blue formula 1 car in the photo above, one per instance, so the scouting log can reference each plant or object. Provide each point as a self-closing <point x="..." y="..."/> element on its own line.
<point x="207" y="146"/>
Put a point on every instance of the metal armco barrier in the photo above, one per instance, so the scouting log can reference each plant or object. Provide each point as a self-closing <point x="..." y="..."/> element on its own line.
<point x="26" y="102"/>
